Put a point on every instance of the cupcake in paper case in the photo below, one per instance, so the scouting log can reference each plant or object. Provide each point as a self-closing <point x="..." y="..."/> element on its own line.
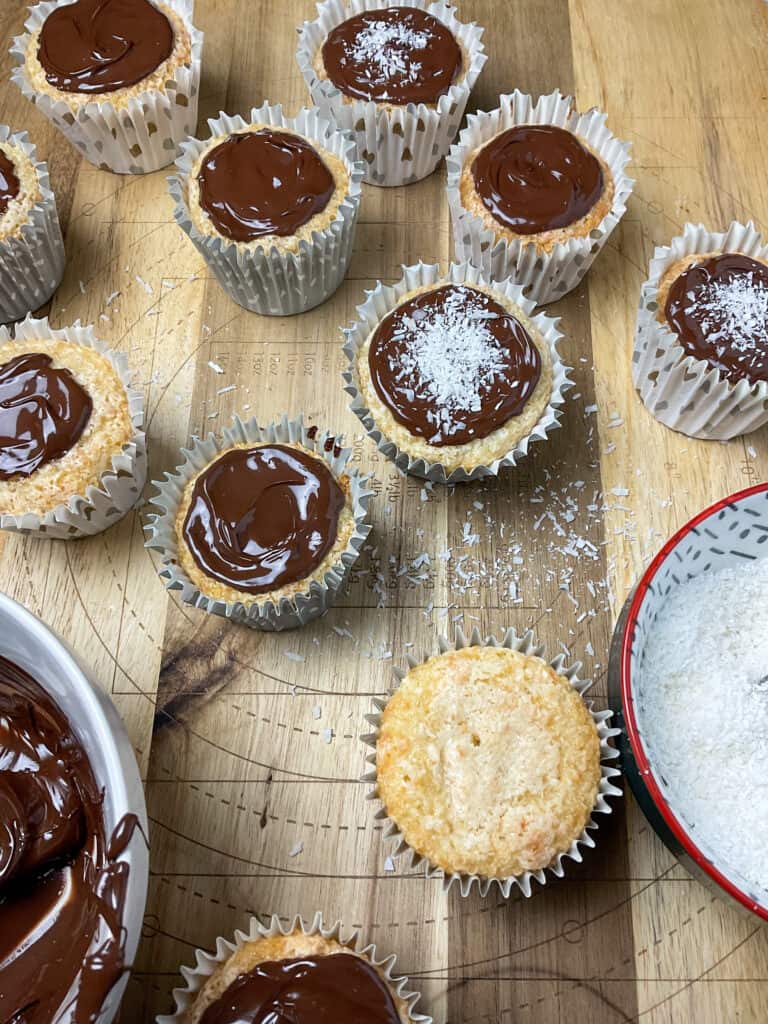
<point x="303" y="971"/>
<point x="700" y="358"/>
<point x="263" y="525"/>
<point x="396" y="77"/>
<point x="72" y="450"/>
<point x="452" y="376"/>
<point x="119" y="78"/>
<point x="271" y="204"/>
<point x="31" y="247"/>
<point x="489" y="764"/>
<point x="534" y="190"/>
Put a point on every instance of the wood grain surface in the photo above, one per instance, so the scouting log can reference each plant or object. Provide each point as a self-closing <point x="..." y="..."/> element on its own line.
<point x="254" y="804"/>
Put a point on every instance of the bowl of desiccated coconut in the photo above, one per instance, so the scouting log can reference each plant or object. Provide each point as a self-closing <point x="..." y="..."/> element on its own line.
<point x="688" y="680"/>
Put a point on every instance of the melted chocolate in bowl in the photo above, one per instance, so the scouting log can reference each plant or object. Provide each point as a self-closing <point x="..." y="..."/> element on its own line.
<point x="336" y="989"/>
<point x="96" y="46"/>
<point x="263" y="183"/>
<point x="62" y="889"/>
<point x="9" y="182"/>
<point x="398" y="55"/>
<point x="262" y="517"/>
<point x="43" y="412"/>
<point x="535" y="178"/>
<point x="719" y="310"/>
<point x="452" y="365"/>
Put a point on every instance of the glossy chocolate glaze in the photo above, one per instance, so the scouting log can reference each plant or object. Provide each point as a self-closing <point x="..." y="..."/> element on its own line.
<point x="535" y="178"/>
<point x="262" y="517"/>
<point x="397" y="55"/>
<point x="43" y="412"/>
<point x="62" y="891"/>
<point x="452" y="365"/>
<point x="95" y="46"/>
<point x="263" y="183"/>
<point x="336" y="989"/>
<point x="719" y="310"/>
<point x="9" y="182"/>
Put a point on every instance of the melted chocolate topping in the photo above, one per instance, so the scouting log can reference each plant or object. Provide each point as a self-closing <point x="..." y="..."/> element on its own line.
<point x="95" y="46"/>
<point x="719" y="310"/>
<point x="43" y="412"/>
<point x="262" y="517"/>
<point x="452" y="365"/>
<point x="536" y="177"/>
<point x="9" y="182"/>
<point x="61" y="892"/>
<point x="263" y="183"/>
<point x="336" y="989"/>
<point x="397" y="55"/>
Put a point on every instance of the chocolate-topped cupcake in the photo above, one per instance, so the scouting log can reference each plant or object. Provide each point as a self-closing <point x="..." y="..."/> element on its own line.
<point x="701" y="348"/>
<point x="31" y="246"/>
<point x="534" y="190"/>
<point x="538" y="182"/>
<point x="120" y="78"/>
<point x="272" y="206"/>
<point x="305" y="972"/>
<point x="453" y="376"/>
<point x="394" y="56"/>
<point x="72" y="452"/>
<point x="262" y="526"/>
<point x="398" y="77"/>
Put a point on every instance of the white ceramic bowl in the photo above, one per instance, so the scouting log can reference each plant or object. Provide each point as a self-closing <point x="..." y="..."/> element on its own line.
<point x="728" y="533"/>
<point x="31" y="645"/>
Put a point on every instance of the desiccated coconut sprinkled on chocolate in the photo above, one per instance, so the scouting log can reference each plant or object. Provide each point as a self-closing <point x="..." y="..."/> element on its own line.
<point x="387" y="48"/>
<point x="734" y="311"/>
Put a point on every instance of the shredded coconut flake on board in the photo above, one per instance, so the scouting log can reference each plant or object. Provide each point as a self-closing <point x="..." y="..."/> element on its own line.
<point x="703" y="707"/>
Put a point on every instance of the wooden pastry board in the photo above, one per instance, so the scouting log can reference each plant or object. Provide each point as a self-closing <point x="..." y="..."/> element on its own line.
<point x="255" y="807"/>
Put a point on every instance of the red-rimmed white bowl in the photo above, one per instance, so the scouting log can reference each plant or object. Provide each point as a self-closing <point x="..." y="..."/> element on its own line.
<point x="727" y="533"/>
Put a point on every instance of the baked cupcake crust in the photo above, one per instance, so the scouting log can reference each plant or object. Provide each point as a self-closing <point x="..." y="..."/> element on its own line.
<point x="16" y="214"/>
<point x="479" y="452"/>
<point x="108" y="430"/>
<point x="271" y="948"/>
<point x="283" y="243"/>
<point x="181" y="56"/>
<point x="488" y="762"/>
<point x="545" y="241"/>
<point x="218" y="591"/>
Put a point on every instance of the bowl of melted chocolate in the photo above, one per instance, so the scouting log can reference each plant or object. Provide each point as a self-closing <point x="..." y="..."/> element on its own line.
<point x="73" y="854"/>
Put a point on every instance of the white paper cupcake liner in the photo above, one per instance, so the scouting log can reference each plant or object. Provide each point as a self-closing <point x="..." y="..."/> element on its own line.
<point x="265" y="280"/>
<point x="683" y="392"/>
<point x="544" y="276"/>
<point x="120" y="487"/>
<point x="32" y="258"/>
<point x="402" y="144"/>
<point x="137" y="138"/>
<point x="381" y="301"/>
<point x="524" y="882"/>
<point x="206" y="963"/>
<point x="290" y="612"/>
